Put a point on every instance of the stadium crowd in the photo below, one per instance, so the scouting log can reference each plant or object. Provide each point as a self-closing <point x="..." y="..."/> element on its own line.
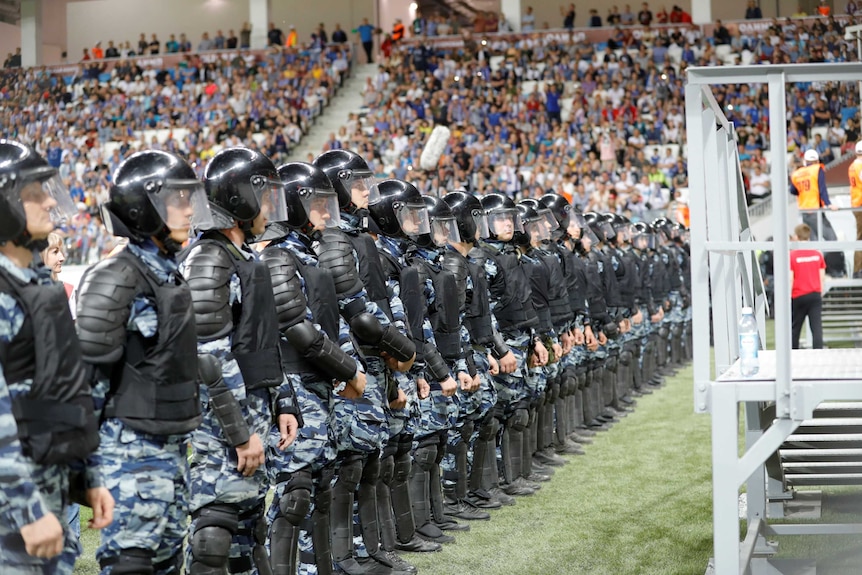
<point x="86" y="124"/>
<point x="601" y="123"/>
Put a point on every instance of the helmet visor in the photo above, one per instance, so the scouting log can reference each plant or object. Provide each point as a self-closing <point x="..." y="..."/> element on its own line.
<point x="413" y="219"/>
<point x="182" y="204"/>
<point x="537" y="230"/>
<point x="53" y="191"/>
<point x="577" y="224"/>
<point x="444" y="231"/>
<point x="608" y="230"/>
<point x="501" y="222"/>
<point x="588" y="237"/>
<point x="548" y="220"/>
<point x="363" y="189"/>
<point x="272" y="201"/>
<point x="624" y="232"/>
<point x="481" y="221"/>
<point x="321" y="207"/>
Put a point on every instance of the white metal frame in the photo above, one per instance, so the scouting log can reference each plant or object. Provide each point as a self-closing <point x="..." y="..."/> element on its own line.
<point x="725" y="273"/>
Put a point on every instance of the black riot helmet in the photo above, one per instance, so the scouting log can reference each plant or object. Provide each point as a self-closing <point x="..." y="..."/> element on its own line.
<point x="25" y="176"/>
<point x="154" y="193"/>
<point x="601" y="228"/>
<point x="469" y="214"/>
<point x="400" y="212"/>
<point x="444" y="228"/>
<point x="545" y="223"/>
<point x="560" y="208"/>
<point x="665" y="228"/>
<point x="349" y="173"/>
<point x="528" y="216"/>
<point x="241" y="184"/>
<point x="643" y="237"/>
<point x="312" y="203"/>
<point x="502" y="216"/>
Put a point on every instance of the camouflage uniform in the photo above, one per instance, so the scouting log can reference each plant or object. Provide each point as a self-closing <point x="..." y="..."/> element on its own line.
<point x="29" y="491"/>
<point x="314" y="447"/>
<point x="214" y="477"/>
<point x="147" y="475"/>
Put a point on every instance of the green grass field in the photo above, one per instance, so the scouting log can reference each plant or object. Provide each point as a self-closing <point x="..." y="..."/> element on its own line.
<point x="638" y="502"/>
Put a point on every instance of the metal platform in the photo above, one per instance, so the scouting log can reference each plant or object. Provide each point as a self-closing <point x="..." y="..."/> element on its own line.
<point x="803" y="409"/>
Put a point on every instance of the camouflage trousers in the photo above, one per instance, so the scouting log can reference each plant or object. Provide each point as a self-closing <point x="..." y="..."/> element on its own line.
<point x="313" y="449"/>
<point x="360" y="424"/>
<point x="215" y="479"/>
<point x="148" y="477"/>
<point x="52" y="482"/>
<point x="512" y="387"/>
<point x="406" y="419"/>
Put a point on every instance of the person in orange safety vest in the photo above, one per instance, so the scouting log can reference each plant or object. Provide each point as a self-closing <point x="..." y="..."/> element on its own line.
<point x="855" y="176"/>
<point x="808" y="184"/>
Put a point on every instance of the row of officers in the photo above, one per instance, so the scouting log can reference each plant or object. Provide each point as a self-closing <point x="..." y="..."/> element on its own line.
<point x="389" y="365"/>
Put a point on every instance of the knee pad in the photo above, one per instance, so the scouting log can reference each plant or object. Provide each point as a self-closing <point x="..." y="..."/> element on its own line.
<point x="488" y="430"/>
<point x="131" y="562"/>
<point x="405" y="445"/>
<point x="402" y="465"/>
<point x="215" y="526"/>
<point x="626" y="357"/>
<point x="350" y="471"/>
<point x="467" y="431"/>
<point x="371" y="468"/>
<point x="663" y="332"/>
<point x="390" y="449"/>
<point x="296" y="500"/>
<point x="387" y="469"/>
<point x="676" y="329"/>
<point x="425" y="457"/>
<point x="519" y="420"/>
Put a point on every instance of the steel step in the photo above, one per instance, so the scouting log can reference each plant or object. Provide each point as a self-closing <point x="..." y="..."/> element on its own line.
<point x="824" y="479"/>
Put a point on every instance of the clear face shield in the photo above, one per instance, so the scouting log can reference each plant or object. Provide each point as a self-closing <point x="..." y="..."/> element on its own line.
<point x="643" y="241"/>
<point x="51" y="191"/>
<point x="363" y="189"/>
<point x="504" y="223"/>
<point x="271" y="199"/>
<point x="444" y="231"/>
<point x="548" y="220"/>
<point x="537" y="230"/>
<point x="321" y="207"/>
<point x="182" y="204"/>
<point x="624" y="233"/>
<point x="481" y="221"/>
<point x="413" y="219"/>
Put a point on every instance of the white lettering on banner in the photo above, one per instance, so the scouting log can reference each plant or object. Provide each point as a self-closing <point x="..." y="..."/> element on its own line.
<point x="150" y="62"/>
<point x="754" y="27"/>
<point x="807" y="259"/>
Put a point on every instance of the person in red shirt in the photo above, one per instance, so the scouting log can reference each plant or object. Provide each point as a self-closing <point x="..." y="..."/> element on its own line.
<point x="807" y="274"/>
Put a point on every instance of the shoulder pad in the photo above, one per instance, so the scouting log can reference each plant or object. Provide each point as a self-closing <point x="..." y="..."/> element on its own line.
<point x="208" y="269"/>
<point x="335" y="253"/>
<point x="290" y="302"/>
<point x="105" y="299"/>
<point x="456" y="264"/>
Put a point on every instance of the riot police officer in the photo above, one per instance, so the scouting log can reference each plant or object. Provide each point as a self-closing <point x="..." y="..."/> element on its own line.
<point x="136" y="325"/>
<point x="47" y="418"/>
<point x="236" y="320"/>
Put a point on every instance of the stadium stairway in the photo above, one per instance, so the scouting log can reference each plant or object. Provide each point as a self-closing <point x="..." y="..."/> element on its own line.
<point x="347" y="101"/>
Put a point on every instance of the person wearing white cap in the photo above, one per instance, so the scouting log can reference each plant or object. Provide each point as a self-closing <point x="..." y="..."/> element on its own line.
<point x="855" y="176"/>
<point x="808" y="184"/>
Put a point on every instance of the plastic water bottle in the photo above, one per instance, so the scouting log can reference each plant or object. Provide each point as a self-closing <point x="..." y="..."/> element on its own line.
<point x="749" y="343"/>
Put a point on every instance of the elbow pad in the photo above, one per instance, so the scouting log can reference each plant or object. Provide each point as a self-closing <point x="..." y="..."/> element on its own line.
<point x="224" y="405"/>
<point x="368" y="331"/>
<point x="321" y="351"/>
<point x="434" y="364"/>
<point x="498" y="346"/>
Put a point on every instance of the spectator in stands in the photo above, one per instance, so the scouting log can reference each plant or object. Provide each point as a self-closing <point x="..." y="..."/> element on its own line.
<point x="823" y="9"/>
<point x="678" y="16"/>
<point x="366" y="37"/>
<point x="111" y="51"/>
<point x="800" y="12"/>
<point x="627" y="18"/>
<point x="398" y="30"/>
<point x="98" y="53"/>
<point x="321" y="33"/>
<point x="613" y="18"/>
<point x="245" y="35"/>
<point x="568" y="15"/>
<point x="851" y="7"/>
<point x="528" y="20"/>
<point x="338" y="35"/>
<point x="292" y="37"/>
<point x="232" y="41"/>
<point x="219" y="40"/>
<point x="185" y="45"/>
<point x="172" y="46"/>
<point x="759" y="185"/>
<point x="154" y="47"/>
<point x="206" y="43"/>
<point x="753" y="12"/>
<point x="807" y="277"/>
<point x="143" y="45"/>
<point x="595" y="20"/>
<point x="85" y="57"/>
<point x="274" y="36"/>
<point x="645" y="15"/>
<point x="720" y="33"/>
<point x="821" y="146"/>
